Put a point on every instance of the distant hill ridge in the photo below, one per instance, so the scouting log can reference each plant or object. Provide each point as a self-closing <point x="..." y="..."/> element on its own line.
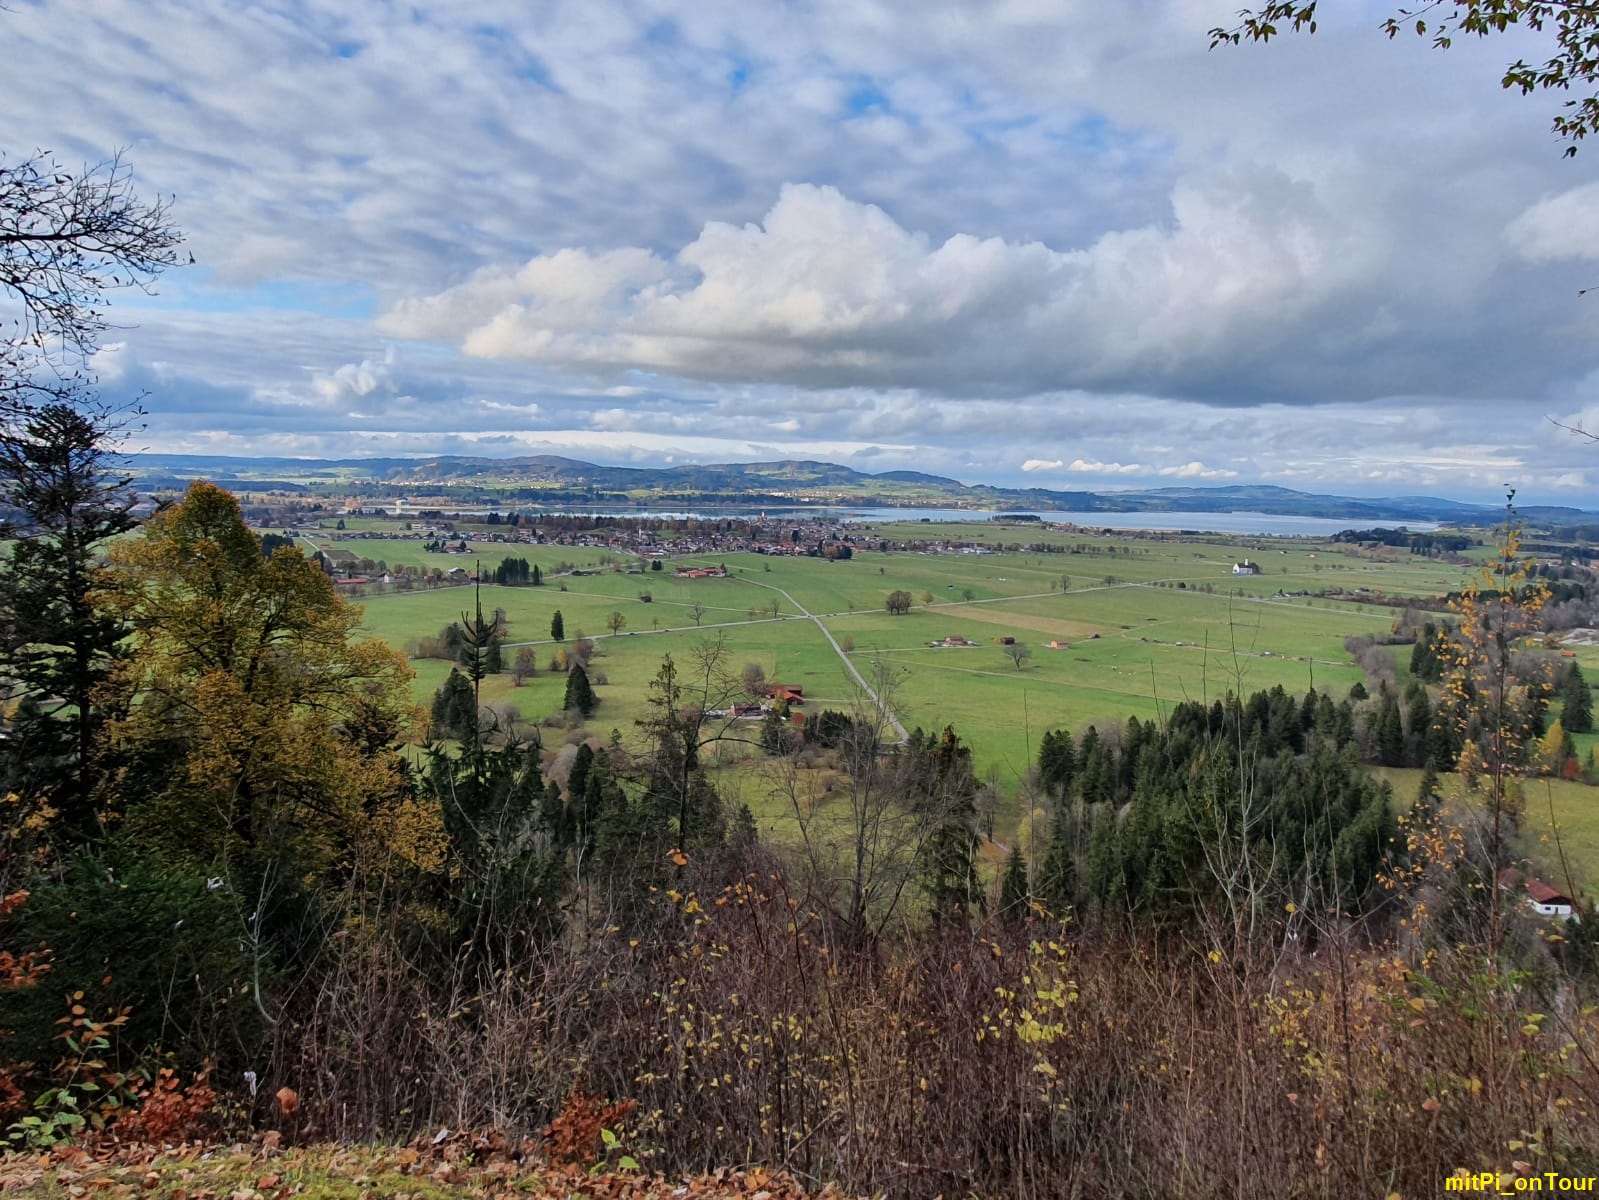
<point x="808" y="481"/>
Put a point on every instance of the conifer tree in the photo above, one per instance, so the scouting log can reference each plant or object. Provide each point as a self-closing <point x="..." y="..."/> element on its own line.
<point x="579" y="694"/>
<point x="1014" y="894"/>
<point x="58" y="646"/>
<point x="1390" y="732"/>
<point x="557" y="627"/>
<point x="1576" y="703"/>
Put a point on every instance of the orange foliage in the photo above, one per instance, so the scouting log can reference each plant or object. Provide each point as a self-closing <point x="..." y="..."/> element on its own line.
<point x="573" y="1138"/>
<point x="20" y="970"/>
<point x="169" y="1112"/>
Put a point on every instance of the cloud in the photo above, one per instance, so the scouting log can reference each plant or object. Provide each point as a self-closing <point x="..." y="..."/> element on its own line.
<point x="1197" y="470"/>
<point x="354" y="384"/>
<point x="828" y="291"/>
<point x="1565" y="226"/>
<point x="1103" y="468"/>
<point x="959" y="241"/>
<point x="1043" y="464"/>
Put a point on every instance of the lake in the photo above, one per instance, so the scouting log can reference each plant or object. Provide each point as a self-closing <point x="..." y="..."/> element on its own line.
<point x="1245" y="523"/>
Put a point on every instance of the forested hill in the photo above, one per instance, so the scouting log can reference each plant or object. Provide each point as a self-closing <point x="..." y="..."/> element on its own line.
<point x="792" y="481"/>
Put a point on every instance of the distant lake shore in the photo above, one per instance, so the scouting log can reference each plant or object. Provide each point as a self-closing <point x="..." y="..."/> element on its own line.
<point x="1242" y="523"/>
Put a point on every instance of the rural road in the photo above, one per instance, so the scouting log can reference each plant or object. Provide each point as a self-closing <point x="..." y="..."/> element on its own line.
<point x="844" y="658"/>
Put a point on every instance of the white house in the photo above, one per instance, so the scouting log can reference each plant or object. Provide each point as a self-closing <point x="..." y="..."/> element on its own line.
<point x="1246" y="568"/>
<point x="1542" y="899"/>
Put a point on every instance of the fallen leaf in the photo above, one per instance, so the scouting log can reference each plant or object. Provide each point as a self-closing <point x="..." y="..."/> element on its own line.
<point x="288" y="1101"/>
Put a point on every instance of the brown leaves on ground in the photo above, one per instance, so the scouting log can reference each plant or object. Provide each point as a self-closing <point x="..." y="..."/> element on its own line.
<point x="457" y="1165"/>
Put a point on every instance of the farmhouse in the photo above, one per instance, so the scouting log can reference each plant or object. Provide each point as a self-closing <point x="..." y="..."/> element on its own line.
<point x="1057" y="644"/>
<point x="1246" y="568"/>
<point x="785" y="693"/>
<point x="1546" y="901"/>
<point x="953" y="639"/>
<point x="1542" y="899"/>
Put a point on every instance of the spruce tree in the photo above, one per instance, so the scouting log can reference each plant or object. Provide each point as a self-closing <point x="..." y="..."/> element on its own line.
<point x="579" y="695"/>
<point x="1390" y="732"/>
<point x="1418" y="719"/>
<point x="58" y="647"/>
<point x="557" y="627"/>
<point x="1577" y="703"/>
<point x="1014" y="894"/>
<point x="949" y="852"/>
<point x="1427" y="793"/>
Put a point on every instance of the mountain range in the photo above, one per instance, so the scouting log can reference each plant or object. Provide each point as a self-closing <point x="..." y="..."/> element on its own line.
<point x="552" y="478"/>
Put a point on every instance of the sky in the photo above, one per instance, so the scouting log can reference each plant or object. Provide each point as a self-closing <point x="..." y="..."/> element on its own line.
<point x="1053" y="243"/>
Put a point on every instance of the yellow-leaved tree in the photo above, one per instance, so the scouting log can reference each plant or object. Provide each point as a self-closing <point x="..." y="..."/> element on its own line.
<point x="260" y="735"/>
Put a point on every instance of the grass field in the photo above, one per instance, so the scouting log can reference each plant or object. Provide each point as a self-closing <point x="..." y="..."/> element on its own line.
<point x="1561" y="817"/>
<point x="1129" y="639"/>
<point x="1134" y="645"/>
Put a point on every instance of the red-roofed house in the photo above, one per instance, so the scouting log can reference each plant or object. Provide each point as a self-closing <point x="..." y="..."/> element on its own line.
<point x="1543" y="899"/>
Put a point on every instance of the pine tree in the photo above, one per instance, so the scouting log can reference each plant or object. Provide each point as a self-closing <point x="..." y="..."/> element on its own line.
<point x="1428" y="791"/>
<point x="1057" y="877"/>
<point x="1014" y="894"/>
<point x="58" y="647"/>
<point x="579" y="695"/>
<point x="1390" y="732"/>
<point x="1418" y="719"/>
<point x="557" y="627"/>
<point x="1576" y="703"/>
<point x="1057" y="762"/>
<point x="949" y="801"/>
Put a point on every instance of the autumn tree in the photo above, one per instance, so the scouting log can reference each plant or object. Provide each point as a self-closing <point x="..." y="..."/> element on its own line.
<point x="616" y="622"/>
<point x="898" y="602"/>
<point x="524" y="667"/>
<point x="258" y="740"/>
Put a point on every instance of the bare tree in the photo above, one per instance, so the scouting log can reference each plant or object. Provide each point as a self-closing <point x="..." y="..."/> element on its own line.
<point x="754" y="680"/>
<point x="66" y="238"/>
<point x="1018" y="653"/>
<point x="862" y="847"/>
<point x="617" y="622"/>
<point x="697" y="611"/>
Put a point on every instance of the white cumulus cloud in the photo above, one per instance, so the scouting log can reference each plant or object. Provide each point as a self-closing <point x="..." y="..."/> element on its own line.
<point x="1083" y="467"/>
<point x="828" y="291"/>
<point x="1197" y="470"/>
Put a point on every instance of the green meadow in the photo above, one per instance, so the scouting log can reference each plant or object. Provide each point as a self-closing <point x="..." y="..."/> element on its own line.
<point x="1561" y="819"/>
<point x="1128" y="640"/>
<point x="1125" y="627"/>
